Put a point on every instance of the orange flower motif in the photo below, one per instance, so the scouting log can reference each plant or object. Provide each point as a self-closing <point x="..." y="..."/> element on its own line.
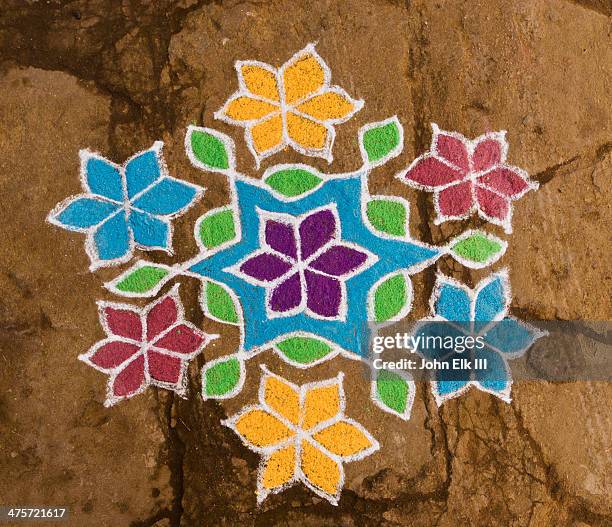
<point x="294" y="105"/>
<point x="303" y="435"/>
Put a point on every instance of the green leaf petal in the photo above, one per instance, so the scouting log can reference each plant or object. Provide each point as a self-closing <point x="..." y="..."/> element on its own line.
<point x="209" y="149"/>
<point x="393" y="392"/>
<point x="387" y="216"/>
<point x="293" y="182"/>
<point x="380" y="141"/>
<point x="217" y="228"/>
<point x="219" y="304"/>
<point x="390" y="298"/>
<point x="221" y="377"/>
<point x="477" y="249"/>
<point x="304" y="350"/>
<point x="141" y="279"/>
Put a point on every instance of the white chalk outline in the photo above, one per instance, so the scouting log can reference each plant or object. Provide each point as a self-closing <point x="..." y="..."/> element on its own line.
<point x="180" y="387"/>
<point x="300" y="435"/>
<point x="124" y="207"/>
<point x="284" y="107"/>
<point x="471" y="176"/>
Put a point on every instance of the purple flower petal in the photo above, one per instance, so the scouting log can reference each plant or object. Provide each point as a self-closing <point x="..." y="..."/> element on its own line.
<point x="339" y="260"/>
<point x="324" y="294"/>
<point x="315" y="231"/>
<point x="265" y="267"/>
<point x="281" y="238"/>
<point x="287" y="294"/>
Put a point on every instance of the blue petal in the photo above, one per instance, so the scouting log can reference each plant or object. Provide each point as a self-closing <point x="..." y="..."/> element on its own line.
<point x="148" y="230"/>
<point x="453" y="303"/>
<point x="142" y="171"/>
<point x="490" y="302"/>
<point x="166" y="197"/>
<point x="434" y="339"/>
<point x="510" y="336"/>
<point x="447" y="388"/>
<point x="84" y="212"/>
<point x="112" y="239"/>
<point x="104" y="179"/>
<point x="495" y="377"/>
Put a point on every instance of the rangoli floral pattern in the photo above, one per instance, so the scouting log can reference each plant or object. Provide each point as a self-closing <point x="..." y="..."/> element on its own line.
<point x="303" y="263"/>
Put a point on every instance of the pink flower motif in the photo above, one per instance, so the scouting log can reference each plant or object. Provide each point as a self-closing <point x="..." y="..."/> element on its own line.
<point x="303" y="265"/>
<point x="150" y="346"/>
<point x="469" y="176"/>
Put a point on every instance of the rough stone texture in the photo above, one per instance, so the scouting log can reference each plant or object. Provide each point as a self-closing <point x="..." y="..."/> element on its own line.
<point x="114" y="76"/>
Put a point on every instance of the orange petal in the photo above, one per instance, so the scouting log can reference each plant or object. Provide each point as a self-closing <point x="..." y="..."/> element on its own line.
<point x="246" y="109"/>
<point x="267" y="134"/>
<point x="303" y="76"/>
<point x="307" y="133"/>
<point x="282" y="398"/>
<point x="329" y="106"/>
<point x="320" y="404"/>
<point x="279" y="468"/>
<point x="261" y="429"/>
<point x="344" y="439"/>
<point x="320" y="470"/>
<point x="260" y="81"/>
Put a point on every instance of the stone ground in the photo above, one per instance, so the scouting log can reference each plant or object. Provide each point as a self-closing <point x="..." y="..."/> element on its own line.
<point x="116" y="75"/>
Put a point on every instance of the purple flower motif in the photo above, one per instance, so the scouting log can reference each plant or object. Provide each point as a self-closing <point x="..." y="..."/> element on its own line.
<point x="303" y="264"/>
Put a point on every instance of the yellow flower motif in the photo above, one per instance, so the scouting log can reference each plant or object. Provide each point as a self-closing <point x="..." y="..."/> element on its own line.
<point x="294" y="105"/>
<point x="303" y="435"/>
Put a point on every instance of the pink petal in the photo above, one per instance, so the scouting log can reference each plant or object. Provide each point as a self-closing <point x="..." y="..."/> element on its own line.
<point x="130" y="379"/>
<point x="162" y="316"/>
<point x="456" y="200"/>
<point x="315" y="231"/>
<point x="287" y="295"/>
<point x="265" y="267"/>
<point x="432" y="173"/>
<point x="487" y="154"/>
<point x="452" y="149"/>
<point x="123" y="322"/>
<point x="339" y="260"/>
<point x="112" y="354"/>
<point x="164" y="368"/>
<point x="504" y="180"/>
<point x="493" y="205"/>
<point x="181" y="339"/>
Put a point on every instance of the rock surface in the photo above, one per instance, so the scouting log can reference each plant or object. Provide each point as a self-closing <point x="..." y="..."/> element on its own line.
<point x="115" y="76"/>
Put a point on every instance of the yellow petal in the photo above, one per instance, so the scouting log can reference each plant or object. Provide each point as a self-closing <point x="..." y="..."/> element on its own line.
<point x="279" y="468"/>
<point x="260" y="81"/>
<point x="327" y="106"/>
<point x="282" y="398"/>
<point x="343" y="439"/>
<point x="306" y="133"/>
<point x="303" y="77"/>
<point x="261" y="429"/>
<point x="246" y="109"/>
<point x="320" y="404"/>
<point x="321" y="470"/>
<point x="267" y="134"/>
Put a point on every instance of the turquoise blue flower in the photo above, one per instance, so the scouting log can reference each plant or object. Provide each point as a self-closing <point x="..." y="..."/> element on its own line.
<point x="125" y="206"/>
<point x="458" y="312"/>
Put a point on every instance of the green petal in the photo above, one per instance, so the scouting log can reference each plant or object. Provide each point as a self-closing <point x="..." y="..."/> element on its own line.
<point x="217" y="228"/>
<point x="221" y="378"/>
<point x="477" y="249"/>
<point x="390" y="298"/>
<point x="381" y="141"/>
<point x="387" y="216"/>
<point x="142" y="279"/>
<point x="293" y="182"/>
<point x="303" y="350"/>
<point x="209" y="149"/>
<point x="393" y="391"/>
<point x="219" y="304"/>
